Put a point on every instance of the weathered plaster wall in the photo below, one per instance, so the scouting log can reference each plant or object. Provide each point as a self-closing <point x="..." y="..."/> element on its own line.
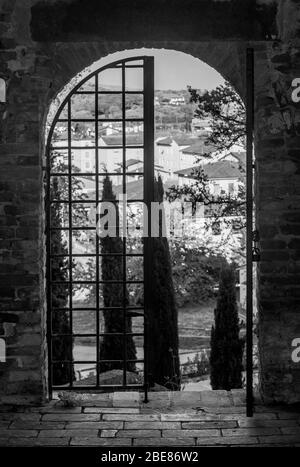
<point x="38" y="60"/>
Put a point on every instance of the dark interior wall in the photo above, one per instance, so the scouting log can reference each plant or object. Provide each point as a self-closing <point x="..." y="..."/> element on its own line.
<point x="186" y="20"/>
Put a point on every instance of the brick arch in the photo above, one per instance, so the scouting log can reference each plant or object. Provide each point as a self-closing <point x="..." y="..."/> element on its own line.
<point x="70" y="59"/>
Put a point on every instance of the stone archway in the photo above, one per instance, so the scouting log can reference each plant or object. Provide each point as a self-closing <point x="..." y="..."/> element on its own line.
<point x="111" y="58"/>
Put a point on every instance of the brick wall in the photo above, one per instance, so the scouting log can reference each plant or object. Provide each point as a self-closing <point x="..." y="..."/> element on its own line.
<point x="278" y="219"/>
<point x="35" y="72"/>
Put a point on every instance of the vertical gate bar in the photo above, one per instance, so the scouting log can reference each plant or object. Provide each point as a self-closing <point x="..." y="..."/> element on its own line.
<point x="48" y="265"/>
<point x="124" y="225"/>
<point x="70" y="236"/>
<point x="148" y="198"/>
<point x="249" y="220"/>
<point x="96" y="233"/>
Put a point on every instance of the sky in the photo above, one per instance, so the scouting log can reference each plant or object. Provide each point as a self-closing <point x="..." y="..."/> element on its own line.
<point x="173" y="70"/>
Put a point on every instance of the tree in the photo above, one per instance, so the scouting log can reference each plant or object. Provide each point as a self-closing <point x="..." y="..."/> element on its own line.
<point x="62" y="346"/>
<point x="195" y="272"/>
<point x="163" y="355"/>
<point x="227" y="115"/>
<point x="111" y="347"/>
<point x="226" y="346"/>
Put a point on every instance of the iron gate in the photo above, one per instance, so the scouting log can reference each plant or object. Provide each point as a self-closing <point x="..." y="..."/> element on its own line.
<point x="249" y="227"/>
<point x="90" y="280"/>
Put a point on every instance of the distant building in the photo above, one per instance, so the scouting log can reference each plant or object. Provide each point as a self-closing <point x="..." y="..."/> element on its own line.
<point x="201" y="127"/>
<point x="168" y="153"/>
<point x="239" y="157"/>
<point x="177" y="101"/>
<point x="224" y="177"/>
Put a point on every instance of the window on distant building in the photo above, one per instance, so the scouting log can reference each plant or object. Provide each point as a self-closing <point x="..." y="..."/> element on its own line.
<point x="216" y="228"/>
<point x="230" y="188"/>
<point x="2" y="351"/>
<point x="217" y="189"/>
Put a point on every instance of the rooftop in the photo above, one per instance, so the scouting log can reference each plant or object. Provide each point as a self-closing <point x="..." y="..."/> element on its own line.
<point x="117" y="140"/>
<point x="214" y="170"/>
<point x="180" y="140"/>
<point x="198" y="149"/>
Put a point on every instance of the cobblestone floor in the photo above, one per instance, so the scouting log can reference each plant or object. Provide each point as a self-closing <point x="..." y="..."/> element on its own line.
<point x="206" y="418"/>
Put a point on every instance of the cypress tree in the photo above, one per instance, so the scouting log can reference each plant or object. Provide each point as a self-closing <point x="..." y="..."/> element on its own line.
<point x="62" y="346"/>
<point x="163" y="355"/>
<point x="226" y="346"/>
<point x="111" y="347"/>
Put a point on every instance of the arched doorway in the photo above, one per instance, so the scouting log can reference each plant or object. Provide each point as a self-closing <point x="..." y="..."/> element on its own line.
<point x="117" y="124"/>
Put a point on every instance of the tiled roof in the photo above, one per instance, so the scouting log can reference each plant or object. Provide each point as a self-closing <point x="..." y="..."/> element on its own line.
<point x="241" y="156"/>
<point x="135" y="189"/>
<point x="214" y="170"/>
<point x="180" y="140"/>
<point x="131" y="162"/>
<point x="165" y="141"/>
<point x="198" y="149"/>
<point x="185" y="140"/>
<point x="116" y="140"/>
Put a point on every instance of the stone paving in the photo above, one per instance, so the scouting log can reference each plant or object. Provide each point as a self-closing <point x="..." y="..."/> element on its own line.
<point x="207" y="418"/>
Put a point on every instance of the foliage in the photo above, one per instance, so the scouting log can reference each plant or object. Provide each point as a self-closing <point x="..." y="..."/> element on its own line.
<point x="62" y="346"/>
<point x="195" y="273"/>
<point x="226" y="112"/>
<point x="198" y="366"/>
<point x="112" y="346"/>
<point x="110" y="106"/>
<point x="226" y="346"/>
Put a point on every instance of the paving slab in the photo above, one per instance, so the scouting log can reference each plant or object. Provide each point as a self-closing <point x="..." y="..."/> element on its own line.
<point x="21" y="425"/>
<point x="108" y="433"/>
<point x="205" y="424"/>
<point x="253" y="422"/>
<point x="102" y="425"/>
<point x="85" y="433"/>
<point x="18" y="433"/>
<point x="290" y="440"/>
<point x="101" y="442"/>
<point x="164" y="442"/>
<point x="216" y="399"/>
<point x="129" y="410"/>
<point x="61" y="417"/>
<point x="152" y="425"/>
<point x="131" y="417"/>
<point x="33" y="442"/>
<point x="127" y="399"/>
<point x="253" y="431"/>
<point x="190" y="433"/>
<point x="209" y="418"/>
<point x="139" y="434"/>
<point x="229" y="441"/>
